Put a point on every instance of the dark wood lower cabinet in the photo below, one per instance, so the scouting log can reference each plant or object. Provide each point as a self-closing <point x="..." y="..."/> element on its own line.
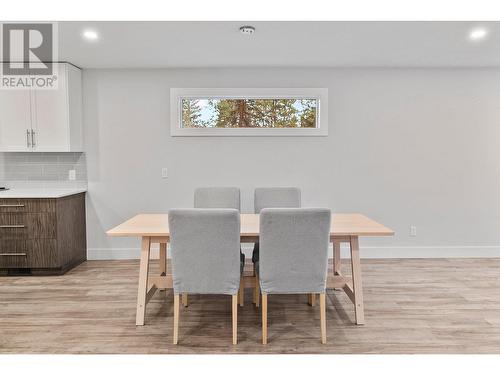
<point x="42" y="236"/>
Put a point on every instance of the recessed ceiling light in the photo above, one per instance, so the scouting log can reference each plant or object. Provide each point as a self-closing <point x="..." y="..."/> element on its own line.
<point x="477" y="34"/>
<point x="247" y="30"/>
<point x="90" y="35"/>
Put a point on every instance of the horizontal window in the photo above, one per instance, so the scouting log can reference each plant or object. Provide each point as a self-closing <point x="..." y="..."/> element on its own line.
<point x="248" y="113"/>
<point x="258" y="112"/>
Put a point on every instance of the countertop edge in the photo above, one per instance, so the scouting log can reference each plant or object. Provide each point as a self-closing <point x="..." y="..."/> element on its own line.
<point x="39" y="193"/>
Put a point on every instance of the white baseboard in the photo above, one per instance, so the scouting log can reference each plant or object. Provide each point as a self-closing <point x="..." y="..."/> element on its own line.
<point x="111" y="254"/>
<point x="367" y="252"/>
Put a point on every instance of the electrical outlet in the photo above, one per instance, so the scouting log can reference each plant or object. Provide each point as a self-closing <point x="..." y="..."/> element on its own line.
<point x="413" y="230"/>
<point x="72" y="175"/>
<point x="164" y="173"/>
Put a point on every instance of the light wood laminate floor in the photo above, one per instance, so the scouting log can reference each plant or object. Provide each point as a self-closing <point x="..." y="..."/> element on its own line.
<point x="411" y="306"/>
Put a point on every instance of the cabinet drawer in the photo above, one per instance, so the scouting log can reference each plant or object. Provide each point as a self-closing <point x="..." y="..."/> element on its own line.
<point x="28" y="253"/>
<point x="27" y="205"/>
<point x="27" y="226"/>
<point x="13" y="254"/>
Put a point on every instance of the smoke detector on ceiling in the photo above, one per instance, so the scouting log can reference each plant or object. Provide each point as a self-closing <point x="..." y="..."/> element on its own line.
<point x="247" y="30"/>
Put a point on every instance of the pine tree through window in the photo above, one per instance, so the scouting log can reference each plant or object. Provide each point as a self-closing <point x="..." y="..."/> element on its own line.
<point x="248" y="113"/>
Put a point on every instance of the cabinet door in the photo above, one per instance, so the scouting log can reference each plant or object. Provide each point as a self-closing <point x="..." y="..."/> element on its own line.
<point x="51" y="120"/>
<point x="15" y="120"/>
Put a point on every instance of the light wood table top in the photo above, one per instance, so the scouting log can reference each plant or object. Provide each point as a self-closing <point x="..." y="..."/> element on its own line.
<point x="156" y="225"/>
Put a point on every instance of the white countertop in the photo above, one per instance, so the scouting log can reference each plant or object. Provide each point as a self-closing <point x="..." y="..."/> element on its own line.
<point x="39" y="193"/>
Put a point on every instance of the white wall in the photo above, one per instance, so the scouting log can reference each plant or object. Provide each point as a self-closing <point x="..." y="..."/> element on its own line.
<point x="405" y="147"/>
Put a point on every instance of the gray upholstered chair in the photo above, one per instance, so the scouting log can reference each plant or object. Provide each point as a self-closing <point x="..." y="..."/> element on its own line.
<point x="276" y="197"/>
<point x="205" y="246"/>
<point x="293" y="256"/>
<point x="218" y="197"/>
<point x="273" y="197"/>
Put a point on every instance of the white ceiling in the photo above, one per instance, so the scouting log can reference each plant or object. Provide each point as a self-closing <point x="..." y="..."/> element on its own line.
<point x="321" y="44"/>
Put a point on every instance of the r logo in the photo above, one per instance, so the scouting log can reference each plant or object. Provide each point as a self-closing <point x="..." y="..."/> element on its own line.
<point x="27" y="48"/>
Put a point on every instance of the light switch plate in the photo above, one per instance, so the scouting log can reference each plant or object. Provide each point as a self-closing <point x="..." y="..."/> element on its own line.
<point x="164" y="173"/>
<point x="72" y="175"/>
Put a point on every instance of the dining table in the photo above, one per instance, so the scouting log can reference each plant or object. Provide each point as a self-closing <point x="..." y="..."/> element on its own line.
<point x="345" y="228"/>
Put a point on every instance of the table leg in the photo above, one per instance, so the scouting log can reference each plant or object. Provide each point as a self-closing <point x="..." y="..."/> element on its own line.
<point x="143" y="281"/>
<point x="356" y="281"/>
<point x="163" y="260"/>
<point x="241" y="292"/>
<point x="337" y="263"/>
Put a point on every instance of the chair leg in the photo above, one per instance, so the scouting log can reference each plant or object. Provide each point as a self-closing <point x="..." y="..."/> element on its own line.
<point x="241" y="293"/>
<point x="235" y="319"/>
<point x="322" y="309"/>
<point x="256" y="292"/>
<point x="312" y="299"/>
<point x="185" y="299"/>
<point x="264" y="318"/>
<point x="176" y="318"/>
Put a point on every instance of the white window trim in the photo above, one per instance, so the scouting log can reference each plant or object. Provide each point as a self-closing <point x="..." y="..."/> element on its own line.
<point x="177" y="94"/>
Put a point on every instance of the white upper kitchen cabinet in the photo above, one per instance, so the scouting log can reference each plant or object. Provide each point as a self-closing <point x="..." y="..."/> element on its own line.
<point x="15" y="120"/>
<point x="52" y="118"/>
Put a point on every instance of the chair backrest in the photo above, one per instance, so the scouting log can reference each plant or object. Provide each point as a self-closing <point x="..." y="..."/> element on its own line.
<point x="205" y="250"/>
<point x="275" y="197"/>
<point x="217" y="197"/>
<point x="294" y="249"/>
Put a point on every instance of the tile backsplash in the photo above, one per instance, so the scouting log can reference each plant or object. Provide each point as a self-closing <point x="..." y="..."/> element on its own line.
<point x="42" y="169"/>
